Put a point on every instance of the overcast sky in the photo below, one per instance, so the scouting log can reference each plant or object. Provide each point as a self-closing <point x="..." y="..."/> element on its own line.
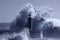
<point x="10" y="8"/>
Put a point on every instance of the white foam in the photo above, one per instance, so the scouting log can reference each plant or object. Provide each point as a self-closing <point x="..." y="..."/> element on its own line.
<point x="56" y="22"/>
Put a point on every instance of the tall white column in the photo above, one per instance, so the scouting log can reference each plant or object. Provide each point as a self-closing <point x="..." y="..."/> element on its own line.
<point x="41" y="34"/>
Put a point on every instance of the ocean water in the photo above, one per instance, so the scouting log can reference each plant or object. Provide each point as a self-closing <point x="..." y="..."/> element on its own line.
<point x="48" y="35"/>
